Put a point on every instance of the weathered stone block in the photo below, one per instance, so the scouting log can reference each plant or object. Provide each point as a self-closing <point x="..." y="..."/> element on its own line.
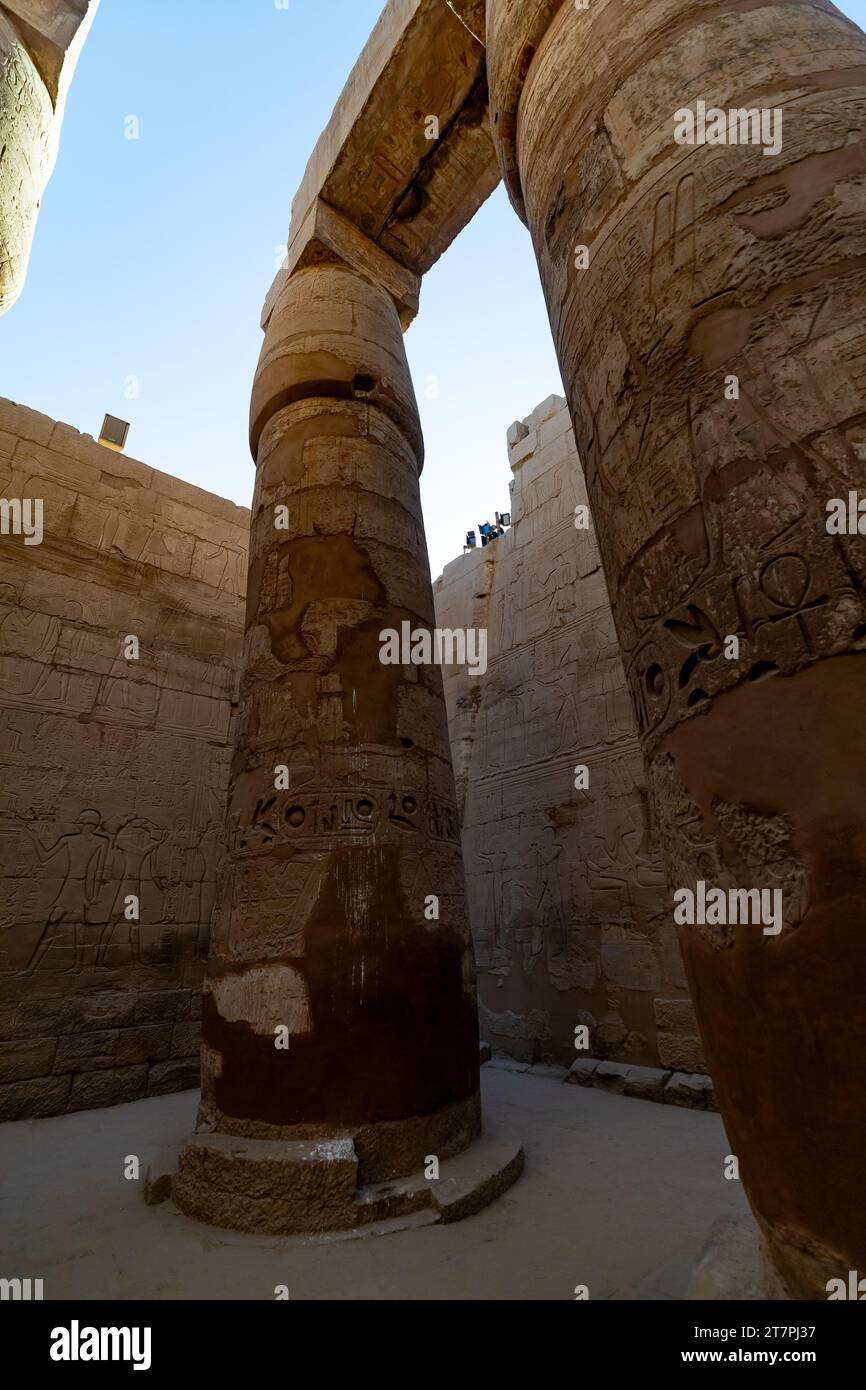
<point x="186" y="1039"/>
<point x="183" y="1074"/>
<point x="611" y="1076"/>
<point x="582" y="1071"/>
<point x="26" y="1100"/>
<point x="646" y="1083"/>
<point x="268" y="1186"/>
<point x="524" y="448"/>
<point x="677" y="1033"/>
<point x="28" y="1058"/>
<point x="519" y="430"/>
<point x="23" y="423"/>
<point x="115" y="1087"/>
<point x="694" y="1091"/>
<point x="115" y="1048"/>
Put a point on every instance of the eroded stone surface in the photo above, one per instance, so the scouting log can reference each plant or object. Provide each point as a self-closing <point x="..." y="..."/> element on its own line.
<point x="329" y="874"/>
<point x="114" y="770"/>
<point x="566" y="891"/>
<point x="407" y="156"/>
<point x="705" y="262"/>
<point x="39" y="48"/>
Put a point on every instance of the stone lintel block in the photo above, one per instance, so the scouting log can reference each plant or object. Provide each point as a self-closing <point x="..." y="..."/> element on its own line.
<point x="325" y="236"/>
<point x="689" y="1089"/>
<point x="582" y="1071"/>
<point x="376" y="163"/>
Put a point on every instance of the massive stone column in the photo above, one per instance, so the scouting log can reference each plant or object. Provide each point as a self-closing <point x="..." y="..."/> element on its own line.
<point x="708" y="301"/>
<point x="340" y="1033"/>
<point x="39" y="48"/>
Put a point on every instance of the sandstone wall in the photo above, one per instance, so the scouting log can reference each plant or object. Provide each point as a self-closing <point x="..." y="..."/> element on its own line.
<point x="113" y="772"/>
<point x="565" y="887"/>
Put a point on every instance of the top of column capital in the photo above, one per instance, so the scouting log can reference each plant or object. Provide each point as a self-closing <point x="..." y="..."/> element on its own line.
<point x="515" y="29"/>
<point x="326" y="237"/>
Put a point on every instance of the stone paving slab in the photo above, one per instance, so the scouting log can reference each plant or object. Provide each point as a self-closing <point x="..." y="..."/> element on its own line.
<point x="618" y="1194"/>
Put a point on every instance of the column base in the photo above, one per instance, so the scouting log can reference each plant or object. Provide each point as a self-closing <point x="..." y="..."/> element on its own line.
<point x="734" y="1265"/>
<point x="292" y="1187"/>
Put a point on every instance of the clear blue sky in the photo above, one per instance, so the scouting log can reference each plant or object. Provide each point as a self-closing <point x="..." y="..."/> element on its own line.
<point x="152" y="257"/>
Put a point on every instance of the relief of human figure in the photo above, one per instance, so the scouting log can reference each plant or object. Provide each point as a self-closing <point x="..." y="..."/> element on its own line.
<point x="546" y="927"/>
<point x="136" y="842"/>
<point x="550" y="926"/>
<point x="82" y="854"/>
<point x="625" y="858"/>
<point x="32" y="637"/>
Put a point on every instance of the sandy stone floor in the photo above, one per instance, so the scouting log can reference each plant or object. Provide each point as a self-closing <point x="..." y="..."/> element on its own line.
<point x="618" y="1194"/>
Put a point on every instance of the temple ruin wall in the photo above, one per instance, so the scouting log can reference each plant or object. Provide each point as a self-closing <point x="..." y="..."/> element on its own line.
<point x="114" y="768"/>
<point x="565" y="887"/>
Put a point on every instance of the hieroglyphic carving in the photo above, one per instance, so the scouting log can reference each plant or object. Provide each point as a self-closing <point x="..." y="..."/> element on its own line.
<point x="340" y="818"/>
<point x="113" y="771"/>
<point x="566" y="888"/>
<point x="77" y="886"/>
<point x="781" y="612"/>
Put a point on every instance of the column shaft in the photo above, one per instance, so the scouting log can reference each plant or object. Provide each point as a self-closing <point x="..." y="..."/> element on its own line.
<point x="708" y="302"/>
<point x="326" y="926"/>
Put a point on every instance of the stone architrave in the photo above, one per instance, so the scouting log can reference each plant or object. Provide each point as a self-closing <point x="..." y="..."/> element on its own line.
<point x="693" y="180"/>
<point x="340" y="1030"/>
<point x="39" y="48"/>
